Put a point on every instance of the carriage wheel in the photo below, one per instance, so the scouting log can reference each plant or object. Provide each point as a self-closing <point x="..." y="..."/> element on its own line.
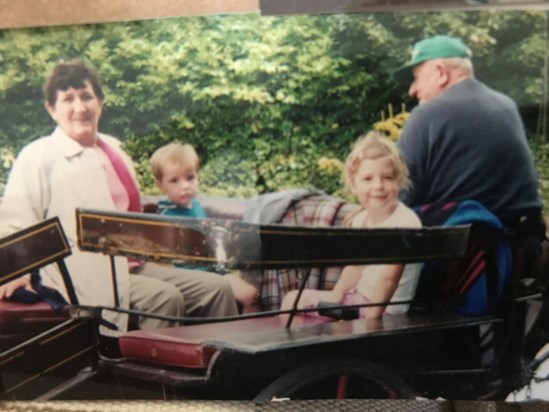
<point x="337" y="379"/>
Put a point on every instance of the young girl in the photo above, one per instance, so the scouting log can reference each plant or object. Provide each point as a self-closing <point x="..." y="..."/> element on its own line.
<point x="374" y="172"/>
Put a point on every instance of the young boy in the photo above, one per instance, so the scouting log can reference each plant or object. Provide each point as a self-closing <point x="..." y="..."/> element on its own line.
<point x="175" y="169"/>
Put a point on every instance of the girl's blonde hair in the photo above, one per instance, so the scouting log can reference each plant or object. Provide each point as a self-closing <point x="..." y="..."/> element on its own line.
<point x="182" y="154"/>
<point x="373" y="145"/>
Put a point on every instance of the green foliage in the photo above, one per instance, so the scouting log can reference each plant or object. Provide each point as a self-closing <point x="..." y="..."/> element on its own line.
<point x="541" y="157"/>
<point x="228" y="176"/>
<point x="7" y="158"/>
<point x="306" y="167"/>
<point x="268" y="102"/>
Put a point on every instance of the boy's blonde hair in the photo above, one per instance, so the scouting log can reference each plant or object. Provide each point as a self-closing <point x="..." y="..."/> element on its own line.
<point x="182" y="154"/>
<point x="374" y="145"/>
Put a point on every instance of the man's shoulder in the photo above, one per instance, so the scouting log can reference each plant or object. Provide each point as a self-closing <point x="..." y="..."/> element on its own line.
<point x="450" y="101"/>
<point x="417" y="125"/>
<point x="473" y="90"/>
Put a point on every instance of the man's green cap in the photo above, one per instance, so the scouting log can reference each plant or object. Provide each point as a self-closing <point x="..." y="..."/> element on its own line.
<point x="437" y="47"/>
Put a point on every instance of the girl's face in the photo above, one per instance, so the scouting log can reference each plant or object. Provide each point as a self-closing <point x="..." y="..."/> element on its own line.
<point x="179" y="183"/>
<point x="376" y="186"/>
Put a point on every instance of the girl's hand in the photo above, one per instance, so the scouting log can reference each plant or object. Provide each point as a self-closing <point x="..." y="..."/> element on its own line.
<point x="7" y="290"/>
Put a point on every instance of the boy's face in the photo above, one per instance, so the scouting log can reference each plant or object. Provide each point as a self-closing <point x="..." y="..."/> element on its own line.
<point x="179" y="182"/>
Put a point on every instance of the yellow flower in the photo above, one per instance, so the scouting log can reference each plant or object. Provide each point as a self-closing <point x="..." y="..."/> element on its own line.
<point x="392" y="126"/>
<point x="7" y="157"/>
<point x="330" y="164"/>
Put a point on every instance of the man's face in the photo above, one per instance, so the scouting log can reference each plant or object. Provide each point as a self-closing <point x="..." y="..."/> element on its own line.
<point x="429" y="81"/>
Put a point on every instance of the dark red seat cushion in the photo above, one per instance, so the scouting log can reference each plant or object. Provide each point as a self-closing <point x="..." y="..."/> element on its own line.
<point x="184" y="345"/>
<point x="21" y="321"/>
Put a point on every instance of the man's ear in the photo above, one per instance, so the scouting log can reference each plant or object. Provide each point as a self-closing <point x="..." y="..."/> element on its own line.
<point x="444" y="75"/>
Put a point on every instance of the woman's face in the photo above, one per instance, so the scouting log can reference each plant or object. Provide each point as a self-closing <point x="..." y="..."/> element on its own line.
<point x="77" y="112"/>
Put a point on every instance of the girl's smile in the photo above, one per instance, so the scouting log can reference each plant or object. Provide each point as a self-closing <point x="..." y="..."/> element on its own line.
<point x="376" y="187"/>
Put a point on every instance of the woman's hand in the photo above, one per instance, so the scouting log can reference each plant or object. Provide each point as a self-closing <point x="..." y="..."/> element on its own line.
<point x="23" y="282"/>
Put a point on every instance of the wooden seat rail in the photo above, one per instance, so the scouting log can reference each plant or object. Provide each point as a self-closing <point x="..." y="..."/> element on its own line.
<point x="238" y="245"/>
<point x="69" y="343"/>
<point x="37" y="246"/>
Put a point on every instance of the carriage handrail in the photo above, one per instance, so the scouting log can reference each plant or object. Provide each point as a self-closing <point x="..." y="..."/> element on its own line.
<point x="233" y="244"/>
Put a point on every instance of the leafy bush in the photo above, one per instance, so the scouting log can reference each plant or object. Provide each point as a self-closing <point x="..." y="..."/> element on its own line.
<point x="540" y="152"/>
<point x="7" y="157"/>
<point x="288" y="94"/>
<point x="228" y="175"/>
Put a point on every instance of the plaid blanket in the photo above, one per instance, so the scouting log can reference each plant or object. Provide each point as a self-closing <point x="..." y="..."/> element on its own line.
<point x="310" y="211"/>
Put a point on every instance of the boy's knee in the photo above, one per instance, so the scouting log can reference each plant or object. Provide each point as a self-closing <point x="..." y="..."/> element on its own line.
<point x="171" y="302"/>
<point x="220" y="285"/>
<point x="167" y="301"/>
<point x="251" y="294"/>
<point x="248" y="296"/>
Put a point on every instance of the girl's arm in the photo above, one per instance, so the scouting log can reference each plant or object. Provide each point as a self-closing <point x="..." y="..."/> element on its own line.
<point x="347" y="280"/>
<point x="384" y="289"/>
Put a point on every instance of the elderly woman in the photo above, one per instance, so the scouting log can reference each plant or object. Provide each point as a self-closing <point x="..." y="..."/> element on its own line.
<point x="76" y="166"/>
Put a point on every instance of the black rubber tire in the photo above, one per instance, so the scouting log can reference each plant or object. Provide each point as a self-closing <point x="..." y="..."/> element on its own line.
<point x="308" y="381"/>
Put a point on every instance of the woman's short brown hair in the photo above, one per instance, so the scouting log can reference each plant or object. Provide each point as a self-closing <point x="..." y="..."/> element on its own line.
<point x="72" y="73"/>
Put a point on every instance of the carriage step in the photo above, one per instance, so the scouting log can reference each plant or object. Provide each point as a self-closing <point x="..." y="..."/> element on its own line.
<point x="82" y="376"/>
<point x="154" y="373"/>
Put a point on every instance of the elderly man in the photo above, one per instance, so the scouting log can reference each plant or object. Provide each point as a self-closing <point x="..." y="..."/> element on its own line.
<point x="465" y="140"/>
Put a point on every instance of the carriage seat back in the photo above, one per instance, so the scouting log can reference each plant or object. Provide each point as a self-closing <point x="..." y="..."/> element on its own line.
<point x="20" y="254"/>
